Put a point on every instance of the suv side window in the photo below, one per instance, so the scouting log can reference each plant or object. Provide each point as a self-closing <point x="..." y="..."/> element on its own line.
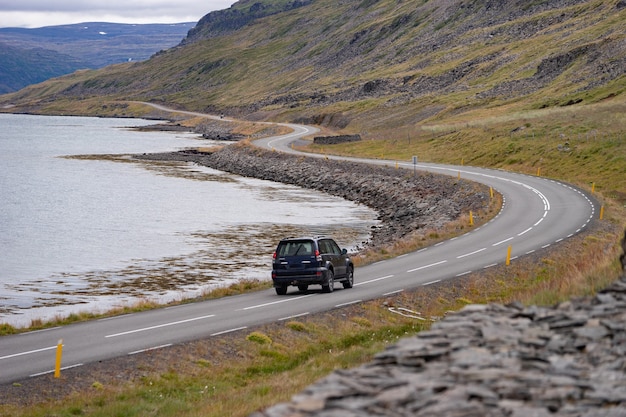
<point x="329" y="247"/>
<point x="334" y="248"/>
<point x="323" y="247"/>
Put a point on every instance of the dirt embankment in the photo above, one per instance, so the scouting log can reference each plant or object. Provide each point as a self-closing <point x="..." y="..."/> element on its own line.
<point x="407" y="202"/>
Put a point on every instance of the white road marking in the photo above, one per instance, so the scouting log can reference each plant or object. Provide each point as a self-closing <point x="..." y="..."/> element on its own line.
<point x="149" y="349"/>
<point x="158" y="326"/>
<point x="27" y="352"/>
<point x="471" y="253"/>
<point x="373" y="280"/>
<point x="294" y="316"/>
<point x="229" y="331"/>
<point x="39" y="331"/>
<point x="282" y="300"/>
<point x="348" y="303"/>
<point x="393" y="292"/>
<point x="503" y="241"/>
<point x="427" y="266"/>
<point x="51" y="371"/>
<point x="113" y="318"/>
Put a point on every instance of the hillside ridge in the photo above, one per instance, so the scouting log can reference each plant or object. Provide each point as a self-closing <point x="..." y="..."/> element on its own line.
<point x="356" y="63"/>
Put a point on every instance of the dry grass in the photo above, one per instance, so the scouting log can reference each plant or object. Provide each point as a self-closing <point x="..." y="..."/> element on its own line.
<point x="427" y="237"/>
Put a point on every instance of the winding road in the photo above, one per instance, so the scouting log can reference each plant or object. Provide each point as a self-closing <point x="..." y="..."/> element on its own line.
<point x="537" y="213"/>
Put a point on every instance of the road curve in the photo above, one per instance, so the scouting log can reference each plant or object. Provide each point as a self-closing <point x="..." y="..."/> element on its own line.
<point x="536" y="213"/>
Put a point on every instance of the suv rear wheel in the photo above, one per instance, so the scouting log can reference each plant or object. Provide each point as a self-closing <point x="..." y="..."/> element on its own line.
<point x="330" y="286"/>
<point x="303" y="287"/>
<point x="349" y="282"/>
<point x="281" y="290"/>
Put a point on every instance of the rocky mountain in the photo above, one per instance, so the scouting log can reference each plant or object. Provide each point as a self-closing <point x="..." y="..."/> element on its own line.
<point x="345" y="61"/>
<point x="29" y="56"/>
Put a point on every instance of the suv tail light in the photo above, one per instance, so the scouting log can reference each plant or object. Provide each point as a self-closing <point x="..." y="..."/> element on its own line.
<point x="318" y="257"/>
<point x="274" y="255"/>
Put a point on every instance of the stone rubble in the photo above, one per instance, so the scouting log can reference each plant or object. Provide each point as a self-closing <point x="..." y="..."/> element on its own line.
<point x="489" y="361"/>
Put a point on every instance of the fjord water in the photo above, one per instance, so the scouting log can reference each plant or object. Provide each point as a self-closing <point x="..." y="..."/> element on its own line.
<point x="82" y="234"/>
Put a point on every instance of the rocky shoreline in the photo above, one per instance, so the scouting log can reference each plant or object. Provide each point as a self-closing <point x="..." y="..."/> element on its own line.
<point x="407" y="203"/>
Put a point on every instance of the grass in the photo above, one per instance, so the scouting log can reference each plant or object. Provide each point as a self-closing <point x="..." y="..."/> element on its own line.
<point x="583" y="145"/>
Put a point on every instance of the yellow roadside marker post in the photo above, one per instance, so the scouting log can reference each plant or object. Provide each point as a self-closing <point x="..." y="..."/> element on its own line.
<point x="57" y="367"/>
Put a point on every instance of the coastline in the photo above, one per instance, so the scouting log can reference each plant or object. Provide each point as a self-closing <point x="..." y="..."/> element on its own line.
<point x="408" y="204"/>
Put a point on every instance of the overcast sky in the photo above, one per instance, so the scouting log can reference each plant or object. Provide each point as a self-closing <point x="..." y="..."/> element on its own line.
<point x="39" y="13"/>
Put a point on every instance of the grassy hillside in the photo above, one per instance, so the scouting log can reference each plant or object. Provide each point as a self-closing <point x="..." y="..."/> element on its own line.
<point x="21" y="67"/>
<point x="372" y="61"/>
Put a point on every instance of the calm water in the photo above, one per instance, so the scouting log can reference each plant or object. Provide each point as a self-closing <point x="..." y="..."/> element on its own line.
<point x="91" y="234"/>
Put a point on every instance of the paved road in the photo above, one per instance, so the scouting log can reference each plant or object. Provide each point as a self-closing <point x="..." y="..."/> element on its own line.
<point x="537" y="213"/>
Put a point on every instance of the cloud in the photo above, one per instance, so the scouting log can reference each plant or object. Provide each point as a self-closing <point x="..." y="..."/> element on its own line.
<point x="38" y="13"/>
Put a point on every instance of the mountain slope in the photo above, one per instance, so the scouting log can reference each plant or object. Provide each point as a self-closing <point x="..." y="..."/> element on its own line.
<point x="409" y="60"/>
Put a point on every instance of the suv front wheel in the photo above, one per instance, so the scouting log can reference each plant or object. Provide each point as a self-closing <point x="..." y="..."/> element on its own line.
<point x="330" y="285"/>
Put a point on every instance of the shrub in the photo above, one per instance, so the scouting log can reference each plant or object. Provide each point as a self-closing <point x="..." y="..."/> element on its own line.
<point x="260" y="338"/>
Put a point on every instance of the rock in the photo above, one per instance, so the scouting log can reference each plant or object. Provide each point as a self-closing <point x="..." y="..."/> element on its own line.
<point x="500" y="361"/>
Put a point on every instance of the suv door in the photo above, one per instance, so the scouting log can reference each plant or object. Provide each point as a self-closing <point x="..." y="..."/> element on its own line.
<point x="330" y="250"/>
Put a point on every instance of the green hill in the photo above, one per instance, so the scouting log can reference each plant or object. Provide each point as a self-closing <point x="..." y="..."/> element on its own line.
<point x="29" y="56"/>
<point x="21" y="67"/>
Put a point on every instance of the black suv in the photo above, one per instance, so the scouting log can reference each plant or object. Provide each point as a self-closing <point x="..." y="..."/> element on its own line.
<point x="311" y="260"/>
